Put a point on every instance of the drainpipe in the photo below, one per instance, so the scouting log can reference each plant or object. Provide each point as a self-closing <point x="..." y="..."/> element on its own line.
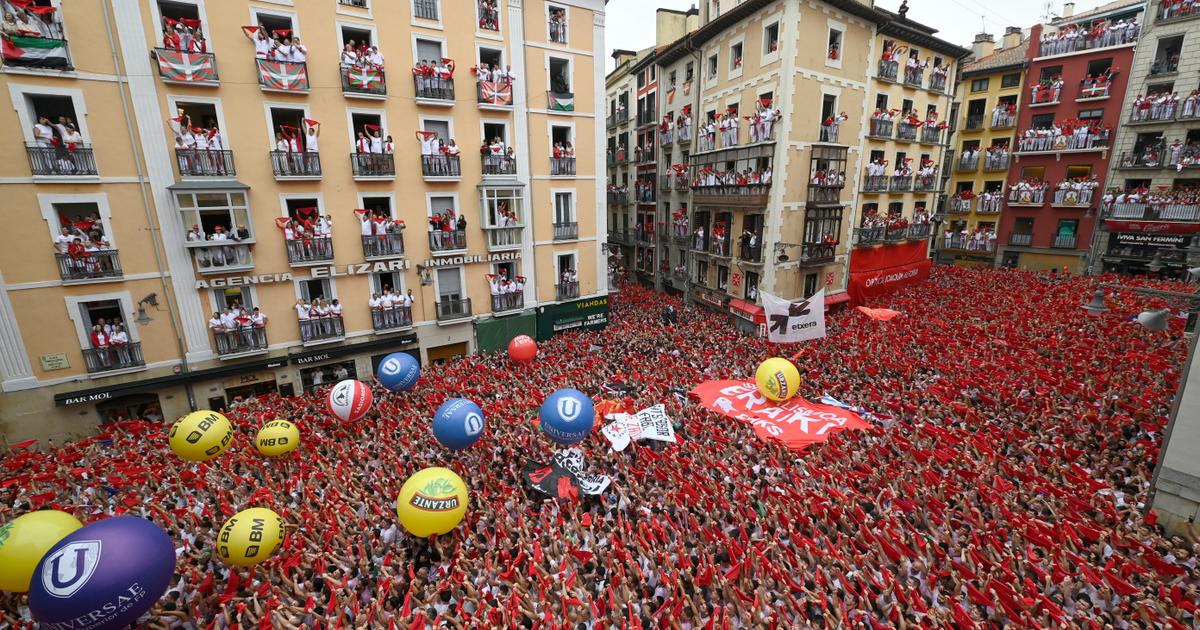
<point x="172" y="306"/>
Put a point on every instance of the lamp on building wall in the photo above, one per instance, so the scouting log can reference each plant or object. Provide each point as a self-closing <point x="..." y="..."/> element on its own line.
<point x="1156" y="263"/>
<point x="781" y="251"/>
<point x="142" y="317"/>
<point x="1155" y="320"/>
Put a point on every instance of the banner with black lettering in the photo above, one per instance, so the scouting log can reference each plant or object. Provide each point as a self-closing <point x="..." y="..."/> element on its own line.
<point x="792" y="322"/>
<point x="653" y="424"/>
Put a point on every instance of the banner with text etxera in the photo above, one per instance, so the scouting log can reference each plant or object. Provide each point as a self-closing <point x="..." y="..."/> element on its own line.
<point x="585" y="314"/>
<point x="796" y="423"/>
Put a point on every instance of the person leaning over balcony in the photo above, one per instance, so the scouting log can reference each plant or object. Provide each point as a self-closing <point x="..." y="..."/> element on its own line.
<point x="119" y="340"/>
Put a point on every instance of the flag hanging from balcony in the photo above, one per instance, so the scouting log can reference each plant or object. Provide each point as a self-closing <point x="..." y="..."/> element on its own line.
<point x="495" y="93"/>
<point x="35" y="51"/>
<point x="790" y="322"/>
<point x="365" y="78"/>
<point x="179" y="65"/>
<point x="282" y="75"/>
<point x="562" y="102"/>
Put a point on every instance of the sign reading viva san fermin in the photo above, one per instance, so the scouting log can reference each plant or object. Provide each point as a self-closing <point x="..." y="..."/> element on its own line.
<point x="357" y="269"/>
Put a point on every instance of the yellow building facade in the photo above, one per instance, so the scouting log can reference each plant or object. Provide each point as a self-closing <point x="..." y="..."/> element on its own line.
<point x="196" y="182"/>
<point x="987" y="102"/>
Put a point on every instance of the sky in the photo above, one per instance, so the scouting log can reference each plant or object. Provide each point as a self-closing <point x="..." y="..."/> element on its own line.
<point x="630" y="23"/>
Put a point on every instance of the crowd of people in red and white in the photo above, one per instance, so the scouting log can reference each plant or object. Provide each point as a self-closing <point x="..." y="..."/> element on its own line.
<point x="1069" y="134"/>
<point x="236" y="326"/>
<point x="1177" y="8"/>
<point x="981" y="239"/>
<point x="1098" y="34"/>
<point x="277" y="44"/>
<point x="308" y="235"/>
<point x="489" y="15"/>
<point x="996" y="156"/>
<point x="391" y="309"/>
<point x="25" y="19"/>
<point x="708" y="177"/>
<point x="185" y="34"/>
<point x="1078" y="191"/>
<point x="1157" y="106"/>
<point x="680" y="124"/>
<point x="1097" y="86"/>
<point x="1162" y="198"/>
<point x="1047" y="90"/>
<point x="1030" y="190"/>
<point x="1003" y="483"/>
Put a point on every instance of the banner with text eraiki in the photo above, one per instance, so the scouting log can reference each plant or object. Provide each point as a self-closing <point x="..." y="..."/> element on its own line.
<point x="796" y="423"/>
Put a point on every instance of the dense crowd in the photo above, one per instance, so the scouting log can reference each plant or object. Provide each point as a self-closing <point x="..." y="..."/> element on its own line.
<point x="1003" y="482"/>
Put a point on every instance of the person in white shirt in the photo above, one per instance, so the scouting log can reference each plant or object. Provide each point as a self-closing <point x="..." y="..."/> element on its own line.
<point x="376" y="306"/>
<point x="376" y="57"/>
<point x="388" y="302"/>
<point x="119" y="340"/>
<point x="299" y="52"/>
<point x="302" y="310"/>
<point x="407" y="300"/>
<point x="43" y="133"/>
<point x="349" y="58"/>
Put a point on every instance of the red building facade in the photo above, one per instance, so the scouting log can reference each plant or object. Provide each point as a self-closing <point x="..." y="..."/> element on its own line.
<point x="1066" y="128"/>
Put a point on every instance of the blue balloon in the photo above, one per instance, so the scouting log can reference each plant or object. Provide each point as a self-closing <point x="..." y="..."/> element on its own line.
<point x="567" y="416"/>
<point x="103" y="576"/>
<point x="458" y="424"/>
<point x="399" y="371"/>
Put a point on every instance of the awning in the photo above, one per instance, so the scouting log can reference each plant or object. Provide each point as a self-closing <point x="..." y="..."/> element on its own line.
<point x="837" y="298"/>
<point x="207" y="185"/>
<point x="748" y="311"/>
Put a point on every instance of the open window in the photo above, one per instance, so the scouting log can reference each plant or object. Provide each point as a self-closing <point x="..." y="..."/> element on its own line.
<point x="833" y="50"/>
<point x="38" y="40"/>
<point x="287" y="129"/>
<point x="735" y="58"/>
<point x="881" y="102"/>
<point x="495" y="135"/>
<point x="181" y="26"/>
<point x="560" y="75"/>
<point x="770" y="39"/>
<point x="558" y="24"/>
<point x="502" y="207"/>
<point x="561" y="136"/>
<point x="712" y="67"/>
<point x="491" y="57"/>
<point x="488" y="14"/>
<point x="365" y="127"/>
<point x="430" y="51"/>
<point x="206" y="214"/>
<point x="356" y="36"/>
<point x="1166" y="55"/>
<point x="276" y="25"/>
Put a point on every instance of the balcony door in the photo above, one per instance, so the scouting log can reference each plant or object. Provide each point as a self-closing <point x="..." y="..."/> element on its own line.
<point x="449" y="284"/>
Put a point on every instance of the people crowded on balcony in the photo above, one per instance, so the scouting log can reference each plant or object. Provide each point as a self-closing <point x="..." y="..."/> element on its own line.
<point x="391" y="309"/>
<point x="1181" y="156"/>
<point x="563" y="150"/>
<point x="938" y="76"/>
<point x="762" y="121"/>
<point x="202" y="145"/>
<point x="307" y="236"/>
<point x="381" y="234"/>
<point x="707" y="177"/>
<point x="235" y="327"/>
<point x="1155" y="106"/>
<point x="989" y="200"/>
<point x="729" y="127"/>
<point x="1177" y="8"/>
<point x="494" y="74"/>
<point x="830" y="126"/>
<point x="1004" y="114"/>
<point x="1069" y="134"/>
<point x="889" y="59"/>
<point x="445" y="230"/>
<point x="914" y="69"/>
<point x="507" y="293"/>
<point x="679" y="224"/>
<point x="489" y="15"/>
<point x="982" y="238"/>
<point x="926" y="174"/>
<point x="720" y="238"/>
<point x="1075" y="192"/>
<point x="1162" y="198"/>
<point x="996" y="156"/>
<point x="1099" y="34"/>
<point x="903" y="168"/>
<point x="664" y="130"/>
<point x="23" y="18"/>
<point x="708" y="134"/>
<point x="183" y="34"/>
<point x="1030" y="190"/>
<point x="683" y="123"/>
<point x="970" y="158"/>
<point x="829" y="178"/>
<point x="1047" y="90"/>
<point x="279" y="45"/>
<point x="960" y="202"/>
<point x="643" y="190"/>
<point x="882" y="120"/>
<point x="1097" y="86"/>
<point x="362" y="55"/>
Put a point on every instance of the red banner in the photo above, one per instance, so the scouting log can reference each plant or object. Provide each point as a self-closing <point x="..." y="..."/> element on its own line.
<point x="796" y="423"/>
<point x="883" y="281"/>
<point x="885" y="256"/>
<point x="1151" y="227"/>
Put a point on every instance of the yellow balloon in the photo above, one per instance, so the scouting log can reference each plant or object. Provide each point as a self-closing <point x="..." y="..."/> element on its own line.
<point x="23" y="542"/>
<point x="433" y="501"/>
<point x="249" y="537"/>
<point x="201" y="436"/>
<point x="777" y="379"/>
<point x="277" y="437"/>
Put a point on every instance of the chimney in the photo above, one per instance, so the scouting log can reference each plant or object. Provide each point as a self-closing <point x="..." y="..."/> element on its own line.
<point x="984" y="45"/>
<point x="1068" y="9"/>
<point x="1012" y="37"/>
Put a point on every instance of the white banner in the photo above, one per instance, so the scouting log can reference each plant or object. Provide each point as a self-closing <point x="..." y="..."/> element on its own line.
<point x="653" y="424"/>
<point x="616" y="432"/>
<point x="572" y="460"/>
<point x="790" y="322"/>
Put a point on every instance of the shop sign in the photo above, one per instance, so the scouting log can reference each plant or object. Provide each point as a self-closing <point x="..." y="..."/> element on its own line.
<point x="1152" y="240"/>
<point x="585" y="314"/>
<point x="332" y="271"/>
<point x="453" y="261"/>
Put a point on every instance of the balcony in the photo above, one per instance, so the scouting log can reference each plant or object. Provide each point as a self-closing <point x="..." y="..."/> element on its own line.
<point x="974" y="122"/>
<point x="969" y="243"/>
<point x="366" y="82"/>
<point x="666" y="138"/>
<point x="373" y="165"/>
<point x="560" y="101"/>
<point x="646" y="117"/>
<point x="876" y="183"/>
<point x="1063" y="144"/>
<point x="1064" y="241"/>
<point x="61" y="161"/>
<point x="750" y="254"/>
<point x="1093" y="91"/>
<point x="498" y="165"/>
<point x="926" y="183"/>
<point x="320" y="329"/>
<point x="989" y="205"/>
<point x="221" y="256"/>
<point x="292" y="165"/>
<point x="868" y="235"/>
<point x="205" y="163"/>
<point x="52" y="54"/>
<point x="617" y="119"/>
<point x="901" y="183"/>
<point x="895" y="234"/>
<point x="1156" y="113"/>
<point x="566" y="290"/>
<point x="914" y="77"/>
<point x="1003" y="120"/>
<point x="188" y="68"/>
<point x="447" y="241"/>
<point x="931" y="135"/>
<point x="665" y="182"/>
<point x="566" y="231"/>
<point x="89" y="266"/>
<point x="906" y="131"/>
<point x="732" y="194"/>
<point x="888" y="70"/>
<point x="967" y="164"/>
<point x="1045" y="96"/>
<point x="620" y="236"/>
<point x="310" y="251"/>
<point x="502" y="302"/>
<point x="282" y="76"/>
<point x="441" y="167"/>
<point x="1020" y="240"/>
<point x="997" y="162"/>
<point x="828" y="194"/>
<point x="646" y="194"/>
<point x="1069" y="198"/>
<point x="114" y="358"/>
<point x="449" y="309"/>
<point x="937" y="82"/>
<point x="389" y="319"/>
<point x="503" y="238"/>
<point x="241" y="342"/>
<point x="719" y="247"/>
<point x="1171" y="12"/>
<point x="494" y="95"/>
<point x="919" y="231"/>
<point x="1027" y="196"/>
<point x="812" y="254"/>
<point x="644" y="236"/>
<point x="433" y="90"/>
<point x="618" y="198"/>
<point x="382" y="245"/>
<point x="1155" y="212"/>
<point x="960" y="205"/>
<point x="829" y="133"/>
<point x="562" y="166"/>
<point x="880" y="128"/>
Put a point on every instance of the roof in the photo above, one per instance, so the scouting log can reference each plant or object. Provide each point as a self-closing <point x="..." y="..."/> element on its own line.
<point x="1117" y="6"/>
<point x="916" y="33"/>
<point x="1012" y="57"/>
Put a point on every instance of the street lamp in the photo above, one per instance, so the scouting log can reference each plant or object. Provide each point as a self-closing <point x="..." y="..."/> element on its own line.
<point x="1097" y="306"/>
<point x="1155" y="320"/>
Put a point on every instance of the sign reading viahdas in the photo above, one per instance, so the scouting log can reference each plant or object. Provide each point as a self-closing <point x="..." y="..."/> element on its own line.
<point x="332" y="271"/>
<point x="585" y="314"/>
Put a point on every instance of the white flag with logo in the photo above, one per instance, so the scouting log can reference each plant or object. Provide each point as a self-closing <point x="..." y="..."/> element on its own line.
<point x="789" y="322"/>
<point x="654" y="424"/>
<point x="616" y="432"/>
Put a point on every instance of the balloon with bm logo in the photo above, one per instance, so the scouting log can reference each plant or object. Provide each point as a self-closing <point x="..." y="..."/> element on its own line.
<point x="102" y="576"/>
<point x="349" y="400"/>
<point x="277" y="437"/>
<point x="432" y="501"/>
<point x="777" y="379"/>
<point x="567" y="416"/>
<point x="398" y="372"/>
<point x="25" y="540"/>
<point x="200" y="435"/>
<point x="458" y="424"/>
<point x="249" y="537"/>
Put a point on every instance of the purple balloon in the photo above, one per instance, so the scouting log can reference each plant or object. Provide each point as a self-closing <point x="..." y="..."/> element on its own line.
<point x="103" y="576"/>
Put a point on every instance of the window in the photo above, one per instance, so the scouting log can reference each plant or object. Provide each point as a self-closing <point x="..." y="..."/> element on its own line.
<point x="962" y="187"/>
<point x="429" y="50"/>
<point x="979" y="85"/>
<point x="378" y="206"/>
<point x="499" y="202"/>
<point x="315" y="289"/>
<point x="1033" y="172"/>
<point x="906" y="106"/>
<point x="723" y="277"/>
<point x="364" y="126"/>
<point x="689" y="72"/>
<point x="1078" y="171"/>
<point x="426" y="9"/>
<point x="828" y="106"/>
<point x="735" y="57"/>
<point x="1042" y="121"/>
<point x="702" y="272"/>
<point x="810" y="285"/>
<point x="564" y="207"/>
<point x="488" y="14"/>
<point x="203" y="213"/>
<point x="895" y="208"/>
<point x="1091" y="115"/>
<point x="566" y="267"/>
<point x="1050" y="73"/>
<point x="1023" y="225"/>
<point x="834" y="47"/>
<point x="881" y="102"/>
<point x="671" y="78"/>
<point x="356" y="37"/>
<point x="449" y="284"/>
<point x="276" y="24"/>
<point x="751" y="286"/>
<point x="1010" y="80"/>
<point x="712" y="67"/>
<point x="186" y="13"/>
<point x="558" y="24"/>
<point x="1099" y="67"/>
<point x="1166" y="57"/>
<point x="492" y="57"/>
<point x="58" y="110"/>
<point x="771" y="39"/>
<point x="560" y="75"/>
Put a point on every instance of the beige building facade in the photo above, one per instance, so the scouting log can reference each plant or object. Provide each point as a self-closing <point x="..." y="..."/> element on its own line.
<point x="197" y="199"/>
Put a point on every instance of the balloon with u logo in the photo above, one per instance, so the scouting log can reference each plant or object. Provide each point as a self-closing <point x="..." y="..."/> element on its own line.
<point x="567" y="416"/>
<point x="458" y="424"/>
<point x="398" y="372"/>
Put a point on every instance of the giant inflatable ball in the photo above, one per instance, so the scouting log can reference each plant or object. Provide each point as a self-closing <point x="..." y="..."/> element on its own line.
<point x="567" y="416"/>
<point x="200" y="436"/>
<point x="432" y="501"/>
<point x="249" y="537"/>
<point x="277" y="437"/>
<point x="458" y="424"/>
<point x="349" y="400"/>
<point x="25" y="540"/>
<point x="777" y="379"/>
<point x="398" y="372"/>
<point x="522" y="349"/>
<point x="102" y="576"/>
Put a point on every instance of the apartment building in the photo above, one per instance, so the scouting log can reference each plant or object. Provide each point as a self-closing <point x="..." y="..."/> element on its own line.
<point x="1070" y="111"/>
<point x="1150" y="224"/>
<point x="987" y="103"/>
<point x="200" y="177"/>
<point x="620" y="162"/>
